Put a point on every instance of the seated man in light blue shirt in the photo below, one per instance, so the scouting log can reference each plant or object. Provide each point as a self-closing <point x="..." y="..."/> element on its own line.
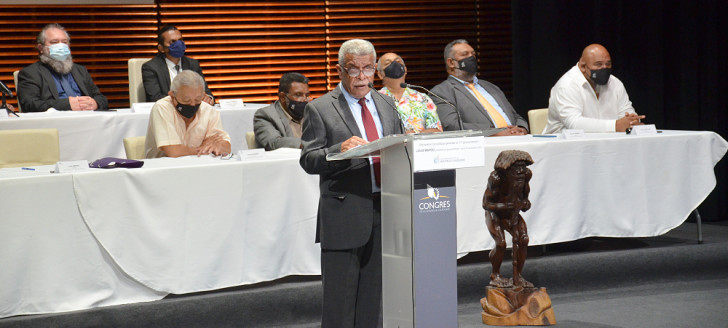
<point x="480" y="104"/>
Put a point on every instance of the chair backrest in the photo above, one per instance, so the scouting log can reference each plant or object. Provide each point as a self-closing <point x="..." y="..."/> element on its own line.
<point x="136" y="86"/>
<point x="250" y="139"/>
<point x="134" y="147"/>
<point x="15" y="79"/>
<point x="537" y="120"/>
<point x="29" y="147"/>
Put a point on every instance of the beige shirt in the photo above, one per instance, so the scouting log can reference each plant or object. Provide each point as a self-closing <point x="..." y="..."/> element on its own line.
<point x="167" y="127"/>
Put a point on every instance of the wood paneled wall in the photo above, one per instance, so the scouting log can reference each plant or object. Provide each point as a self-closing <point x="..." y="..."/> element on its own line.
<point x="244" y="47"/>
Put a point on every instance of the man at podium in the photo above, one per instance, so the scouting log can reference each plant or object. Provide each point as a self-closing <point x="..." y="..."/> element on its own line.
<point x="349" y="215"/>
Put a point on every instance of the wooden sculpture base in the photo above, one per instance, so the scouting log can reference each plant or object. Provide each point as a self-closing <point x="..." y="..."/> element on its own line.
<point x="511" y="307"/>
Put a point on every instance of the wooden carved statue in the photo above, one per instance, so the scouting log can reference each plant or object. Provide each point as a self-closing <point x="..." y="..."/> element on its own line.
<point x="505" y="197"/>
<point x="511" y="302"/>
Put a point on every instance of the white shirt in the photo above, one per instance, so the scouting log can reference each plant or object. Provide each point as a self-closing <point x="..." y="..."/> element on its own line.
<point x="574" y="105"/>
<point x="170" y="67"/>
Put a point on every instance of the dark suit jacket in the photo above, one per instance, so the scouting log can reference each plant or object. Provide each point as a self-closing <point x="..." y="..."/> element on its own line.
<point x="345" y="212"/>
<point x="471" y="111"/>
<point x="272" y="128"/>
<point x="37" y="90"/>
<point x="156" y="76"/>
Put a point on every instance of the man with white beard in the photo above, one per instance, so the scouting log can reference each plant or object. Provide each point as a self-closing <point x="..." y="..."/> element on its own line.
<point x="55" y="80"/>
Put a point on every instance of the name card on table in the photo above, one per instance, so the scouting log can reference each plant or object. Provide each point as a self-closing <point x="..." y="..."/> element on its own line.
<point x="644" y="130"/>
<point x="144" y="107"/>
<point x="4" y="114"/>
<point x="573" y="134"/>
<point x="448" y="153"/>
<point x="251" y="154"/>
<point x="71" y="166"/>
<point x="124" y="110"/>
<point x="231" y="103"/>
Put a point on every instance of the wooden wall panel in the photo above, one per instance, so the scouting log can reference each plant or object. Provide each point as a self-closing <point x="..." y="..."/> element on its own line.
<point x="244" y="46"/>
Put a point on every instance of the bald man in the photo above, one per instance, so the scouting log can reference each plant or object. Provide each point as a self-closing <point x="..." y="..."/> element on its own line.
<point x="589" y="98"/>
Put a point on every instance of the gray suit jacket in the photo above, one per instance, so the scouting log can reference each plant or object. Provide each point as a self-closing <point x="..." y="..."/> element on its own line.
<point x="471" y="111"/>
<point x="345" y="212"/>
<point x="155" y="76"/>
<point x="272" y="129"/>
<point x="37" y="90"/>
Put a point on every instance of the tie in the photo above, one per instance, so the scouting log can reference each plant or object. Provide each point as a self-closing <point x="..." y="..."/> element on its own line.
<point x="498" y="119"/>
<point x="372" y="134"/>
<point x="176" y="68"/>
<point x="67" y="86"/>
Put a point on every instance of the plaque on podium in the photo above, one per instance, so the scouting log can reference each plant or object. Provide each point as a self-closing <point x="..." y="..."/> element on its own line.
<point x="419" y="237"/>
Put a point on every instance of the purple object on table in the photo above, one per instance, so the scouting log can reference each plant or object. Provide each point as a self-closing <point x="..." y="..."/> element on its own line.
<point x="113" y="162"/>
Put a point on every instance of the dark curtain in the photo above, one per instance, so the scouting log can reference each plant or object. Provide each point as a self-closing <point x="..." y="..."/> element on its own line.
<point x="671" y="56"/>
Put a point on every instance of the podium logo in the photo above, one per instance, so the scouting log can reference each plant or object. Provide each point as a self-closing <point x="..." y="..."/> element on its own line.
<point x="433" y="201"/>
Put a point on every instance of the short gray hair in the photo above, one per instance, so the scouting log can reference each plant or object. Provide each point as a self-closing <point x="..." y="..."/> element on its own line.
<point x="356" y="47"/>
<point x="187" y="78"/>
<point x="41" y="38"/>
<point x="448" y="47"/>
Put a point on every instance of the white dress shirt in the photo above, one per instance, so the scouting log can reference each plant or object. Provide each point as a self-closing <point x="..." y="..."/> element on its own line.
<point x="170" y="67"/>
<point x="574" y="104"/>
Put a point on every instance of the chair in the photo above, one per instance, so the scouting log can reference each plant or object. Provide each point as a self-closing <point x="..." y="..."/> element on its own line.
<point x="29" y="147"/>
<point x="134" y="147"/>
<point x="250" y="138"/>
<point x="136" y="85"/>
<point x="15" y="78"/>
<point x="537" y="119"/>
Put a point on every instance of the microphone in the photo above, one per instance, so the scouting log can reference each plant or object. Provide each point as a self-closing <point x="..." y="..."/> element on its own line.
<point x="407" y="85"/>
<point x="5" y="91"/>
<point x="396" y="112"/>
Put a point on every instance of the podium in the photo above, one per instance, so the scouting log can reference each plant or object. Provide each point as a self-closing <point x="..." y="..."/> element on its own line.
<point x="419" y="221"/>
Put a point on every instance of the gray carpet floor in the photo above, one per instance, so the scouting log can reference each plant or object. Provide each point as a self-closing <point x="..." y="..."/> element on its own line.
<point x="665" y="281"/>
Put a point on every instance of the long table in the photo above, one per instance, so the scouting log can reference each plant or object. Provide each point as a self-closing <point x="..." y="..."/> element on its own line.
<point x="97" y="134"/>
<point x="105" y="237"/>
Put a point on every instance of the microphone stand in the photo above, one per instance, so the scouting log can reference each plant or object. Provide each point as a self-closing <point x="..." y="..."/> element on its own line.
<point x="460" y="120"/>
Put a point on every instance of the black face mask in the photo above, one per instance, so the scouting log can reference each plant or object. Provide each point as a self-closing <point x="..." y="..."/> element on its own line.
<point x="395" y="70"/>
<point x="295" y="108"/>
<point x="600" y="76"/>
<point x="469" y="65"/>
<point x="187" y="111"/>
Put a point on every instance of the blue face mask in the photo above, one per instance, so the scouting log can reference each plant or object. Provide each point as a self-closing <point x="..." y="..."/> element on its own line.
<point x="59" y="51"/>
<point x="177" y="49"/>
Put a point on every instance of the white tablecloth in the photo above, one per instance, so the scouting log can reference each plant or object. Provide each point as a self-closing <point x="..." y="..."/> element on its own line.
<point x="104" y="237"/>
<point x="94" y="135"/>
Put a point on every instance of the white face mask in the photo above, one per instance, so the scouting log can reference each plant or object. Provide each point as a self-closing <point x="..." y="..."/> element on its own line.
<point x="59" y="51"/>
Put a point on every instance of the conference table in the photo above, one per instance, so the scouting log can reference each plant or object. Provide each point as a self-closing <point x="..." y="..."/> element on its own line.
<point x="91" y="135"/>
<point x="102" y="237"/>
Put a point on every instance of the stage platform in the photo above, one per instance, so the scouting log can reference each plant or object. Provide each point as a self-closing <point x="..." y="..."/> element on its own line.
<point x="665" y="281"/>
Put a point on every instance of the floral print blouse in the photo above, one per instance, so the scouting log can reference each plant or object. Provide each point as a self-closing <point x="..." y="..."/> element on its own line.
<point x="416" y="110"/>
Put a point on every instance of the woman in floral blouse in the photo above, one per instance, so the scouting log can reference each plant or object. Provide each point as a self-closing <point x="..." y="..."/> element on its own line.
<point x="418" y="112"/>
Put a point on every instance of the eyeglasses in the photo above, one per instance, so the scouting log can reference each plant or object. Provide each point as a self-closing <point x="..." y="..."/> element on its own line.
<point x="354" y="71"/>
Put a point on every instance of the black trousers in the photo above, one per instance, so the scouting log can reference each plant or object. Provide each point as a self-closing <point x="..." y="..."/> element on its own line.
<point x="352" y="281"/>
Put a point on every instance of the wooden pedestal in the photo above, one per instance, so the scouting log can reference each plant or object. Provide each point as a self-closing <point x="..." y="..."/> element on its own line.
<point x="510" y="307"/>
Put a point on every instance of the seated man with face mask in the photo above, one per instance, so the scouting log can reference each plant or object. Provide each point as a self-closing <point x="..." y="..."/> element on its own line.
<point x="418" y="112"/>
<point x="589" y="98"/>
<point x="182" y="124"/>
<point x="55" y="81"/>
<point x="158" y="72"/>
<point x="279" y="124"/>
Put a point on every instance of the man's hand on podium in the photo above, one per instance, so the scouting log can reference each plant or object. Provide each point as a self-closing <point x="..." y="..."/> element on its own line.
<point x="352" y="143"/>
